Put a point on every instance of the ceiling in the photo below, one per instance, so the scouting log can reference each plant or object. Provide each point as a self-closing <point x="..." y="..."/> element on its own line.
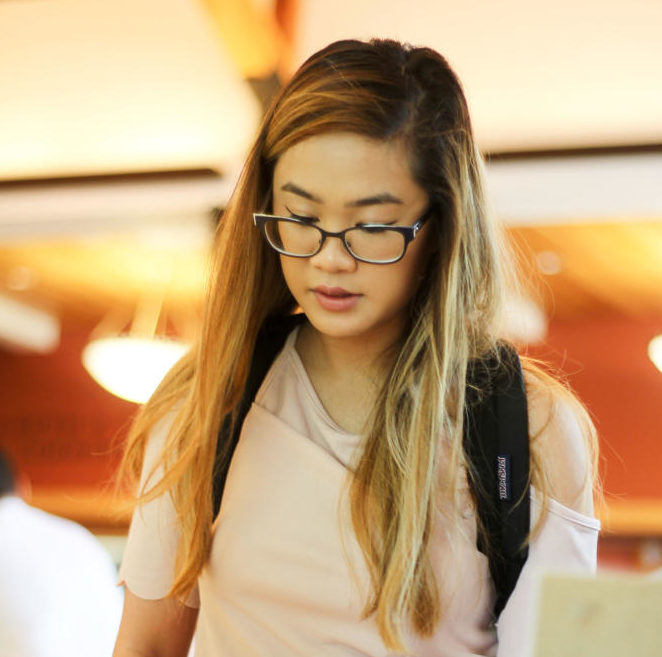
<point x="116" y="87"/>
<point x="538" y="75"/>
<point x="147" y="100"/>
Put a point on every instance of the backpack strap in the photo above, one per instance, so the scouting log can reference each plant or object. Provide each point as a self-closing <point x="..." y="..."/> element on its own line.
<point x="270" y="340"/>
<point x="496" y="442"/>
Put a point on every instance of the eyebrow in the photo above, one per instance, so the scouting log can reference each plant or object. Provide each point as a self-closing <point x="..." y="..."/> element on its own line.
<point x="377" y="199"/>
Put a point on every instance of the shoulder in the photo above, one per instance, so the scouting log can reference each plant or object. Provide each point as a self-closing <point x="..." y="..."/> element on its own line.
<point x="562" y="441"/>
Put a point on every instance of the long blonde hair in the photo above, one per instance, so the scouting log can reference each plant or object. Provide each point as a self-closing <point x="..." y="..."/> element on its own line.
<point x="383" y="90"/>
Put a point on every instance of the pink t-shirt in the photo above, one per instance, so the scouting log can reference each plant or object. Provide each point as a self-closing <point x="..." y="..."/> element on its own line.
<point x="286" y="576"/>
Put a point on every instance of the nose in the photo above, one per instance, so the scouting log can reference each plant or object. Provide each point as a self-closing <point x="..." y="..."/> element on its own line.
<point x="333" y="256"/>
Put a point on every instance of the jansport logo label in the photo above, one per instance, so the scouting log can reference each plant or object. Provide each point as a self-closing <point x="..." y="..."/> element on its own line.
<point x="503" y="476"/>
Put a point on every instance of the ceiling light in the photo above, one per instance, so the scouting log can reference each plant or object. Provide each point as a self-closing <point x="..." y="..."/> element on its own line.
<point x="130" y="363"/>
<point x="655" y="351"/>
<point x="21" y="278"/>
<point x="548" y="262"/>
<point x="131" y="367"/>
<point x="26" y="328"/>
<point x="523" y="320"/>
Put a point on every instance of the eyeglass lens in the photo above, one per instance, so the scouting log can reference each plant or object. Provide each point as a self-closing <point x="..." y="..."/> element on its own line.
<point x="378" y="244"/>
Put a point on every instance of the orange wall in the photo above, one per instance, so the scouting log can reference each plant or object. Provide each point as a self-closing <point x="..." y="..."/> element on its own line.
<point x="607" y="364"/>
<point x="57" y="424"/>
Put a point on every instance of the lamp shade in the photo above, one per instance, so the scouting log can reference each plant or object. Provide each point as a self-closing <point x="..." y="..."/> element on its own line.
<point x="131" y="367"/>
<point x="655" y="351"/>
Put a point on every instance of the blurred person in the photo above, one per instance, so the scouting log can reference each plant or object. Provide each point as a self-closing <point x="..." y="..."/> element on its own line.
<point x="352" y="519"/>
<point x="58" y="594"/>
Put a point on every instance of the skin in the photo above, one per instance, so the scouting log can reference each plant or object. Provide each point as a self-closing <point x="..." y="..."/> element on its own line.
<point x="154" y="628"/>
<point x="342" y="180"/>
<point x="557" y="439"/>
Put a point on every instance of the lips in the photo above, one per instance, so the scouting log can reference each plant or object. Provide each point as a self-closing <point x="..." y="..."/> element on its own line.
<point x="333" y="291"/>
<point x="335" y="299"/>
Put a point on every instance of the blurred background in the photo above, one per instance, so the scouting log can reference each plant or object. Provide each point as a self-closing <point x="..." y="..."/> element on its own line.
<point x="123" y="126"/>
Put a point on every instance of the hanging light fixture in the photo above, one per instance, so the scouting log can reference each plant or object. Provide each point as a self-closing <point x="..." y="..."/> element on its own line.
<point x="25" y="328"/>
<point x="131" y="367"/>
<point x="655" y="351"/>
<point x="131" y="364"/>
<point x="524" y="320"/>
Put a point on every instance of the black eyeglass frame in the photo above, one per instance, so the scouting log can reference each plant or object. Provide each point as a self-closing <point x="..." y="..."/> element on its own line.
<point x="408" y="232"/>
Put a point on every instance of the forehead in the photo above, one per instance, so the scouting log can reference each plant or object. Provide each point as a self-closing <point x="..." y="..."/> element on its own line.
<point x="346" y="167"/>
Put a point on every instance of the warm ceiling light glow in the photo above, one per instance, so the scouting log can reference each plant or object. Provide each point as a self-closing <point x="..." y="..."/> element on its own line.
<point x="24" y="327"/>
<point x="523" y="321"/>
<point x="131" y="367"/>
<point x="655" y="351"/>
<point x="548" y="262"/>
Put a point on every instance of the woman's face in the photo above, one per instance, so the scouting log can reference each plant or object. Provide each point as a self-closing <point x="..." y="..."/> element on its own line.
<point x="342" y="180"/>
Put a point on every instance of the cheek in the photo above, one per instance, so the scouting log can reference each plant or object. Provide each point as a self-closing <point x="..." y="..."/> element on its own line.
<point x="292" y="273"/>
<point x="396" y="287"/>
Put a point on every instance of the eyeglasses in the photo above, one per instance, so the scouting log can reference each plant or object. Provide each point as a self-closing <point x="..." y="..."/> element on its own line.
<point x="373" y="243"/>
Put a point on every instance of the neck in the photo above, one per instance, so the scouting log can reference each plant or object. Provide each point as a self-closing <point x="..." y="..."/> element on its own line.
<point x="365" y="357"/>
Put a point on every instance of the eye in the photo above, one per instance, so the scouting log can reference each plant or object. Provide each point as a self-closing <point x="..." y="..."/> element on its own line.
<point x="301" y="217"/>
<point x="375" y="227"/>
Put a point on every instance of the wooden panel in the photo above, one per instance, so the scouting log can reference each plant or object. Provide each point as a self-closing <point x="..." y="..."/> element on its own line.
<point x="250" y="33"/>
<point x="636" y="517"/>
<point x="604" y="268"/>
<point x="86" y="281"/>
<point x="101" y="511"/>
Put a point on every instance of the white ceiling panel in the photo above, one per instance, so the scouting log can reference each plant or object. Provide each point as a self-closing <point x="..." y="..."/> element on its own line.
<point x="98" y="86"/>
<point x="538" y="75"/>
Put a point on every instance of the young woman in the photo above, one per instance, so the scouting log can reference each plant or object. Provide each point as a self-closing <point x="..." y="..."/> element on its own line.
<point x="347" y="526"/>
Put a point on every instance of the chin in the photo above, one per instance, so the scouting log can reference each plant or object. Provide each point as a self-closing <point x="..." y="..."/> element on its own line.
<point x="352" y="326"/>
<point x="336" y="325"/>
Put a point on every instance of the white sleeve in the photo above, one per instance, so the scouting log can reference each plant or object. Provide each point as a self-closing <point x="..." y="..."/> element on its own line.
<point x="567" y="543"/>
<point x="148" y="562"/>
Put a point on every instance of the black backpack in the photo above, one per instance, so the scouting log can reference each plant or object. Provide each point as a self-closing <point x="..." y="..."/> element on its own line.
<point x="496" y="442"/>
